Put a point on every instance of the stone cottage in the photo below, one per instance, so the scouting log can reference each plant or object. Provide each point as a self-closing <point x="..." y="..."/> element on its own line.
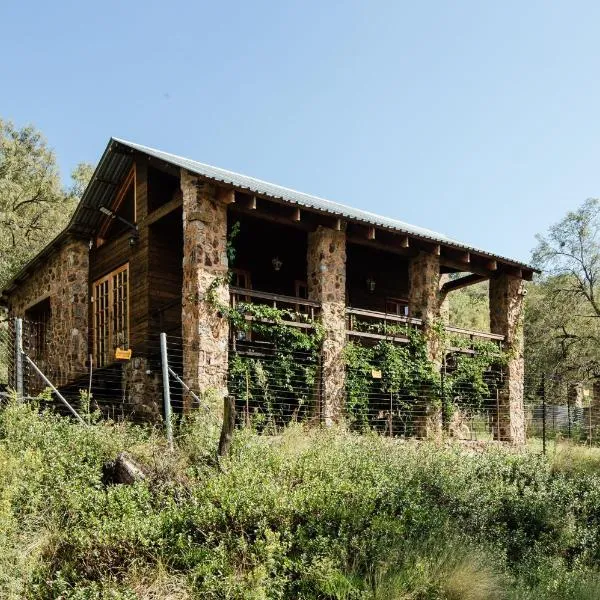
<point x="149" y="239"/>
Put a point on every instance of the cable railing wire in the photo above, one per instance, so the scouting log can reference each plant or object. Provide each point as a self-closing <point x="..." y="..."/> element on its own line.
<point x="269" y="395"/>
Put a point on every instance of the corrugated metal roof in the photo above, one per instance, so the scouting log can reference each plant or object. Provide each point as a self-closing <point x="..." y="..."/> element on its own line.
<point x="258" y="186"/>
<point x="117" y="160"/>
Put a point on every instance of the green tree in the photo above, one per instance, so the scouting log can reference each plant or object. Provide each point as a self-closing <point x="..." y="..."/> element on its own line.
<point x="33" y="204"/>
<point x="563" y="306"/>
<point x="470" y="307"/>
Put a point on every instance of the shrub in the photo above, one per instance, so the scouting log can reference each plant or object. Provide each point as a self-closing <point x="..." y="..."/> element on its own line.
<point x="306" y="514"/>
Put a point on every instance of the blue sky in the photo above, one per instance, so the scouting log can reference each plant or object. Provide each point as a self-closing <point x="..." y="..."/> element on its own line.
<point x="476" y="119"/>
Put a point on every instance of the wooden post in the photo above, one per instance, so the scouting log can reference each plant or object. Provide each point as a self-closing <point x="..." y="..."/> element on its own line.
<point x="228" y="426"/>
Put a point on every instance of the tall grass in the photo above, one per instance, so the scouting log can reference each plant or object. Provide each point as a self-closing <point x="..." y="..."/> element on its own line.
<point x="307" y="514"/>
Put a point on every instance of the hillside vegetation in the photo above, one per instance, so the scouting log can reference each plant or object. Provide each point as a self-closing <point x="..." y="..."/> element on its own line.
<point x="306" y="514"/>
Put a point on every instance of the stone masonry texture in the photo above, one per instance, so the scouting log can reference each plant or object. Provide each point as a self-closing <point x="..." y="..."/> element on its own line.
<point x="506" y="318"/>
<point x="326" y="258"/>
<point x="425" y="302"/>
<point x="63" y="278"/>
<point x="205" y="329"/>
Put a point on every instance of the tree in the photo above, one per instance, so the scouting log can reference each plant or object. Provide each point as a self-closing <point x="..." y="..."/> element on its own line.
<point x="470" y="307"/>
<point x="33" y="204"/>
<point x="563" y="307"/>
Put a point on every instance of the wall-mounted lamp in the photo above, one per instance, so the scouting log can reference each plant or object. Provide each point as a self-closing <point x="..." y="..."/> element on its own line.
<point x="277" y="263"/>
<point x="371" y="284"/>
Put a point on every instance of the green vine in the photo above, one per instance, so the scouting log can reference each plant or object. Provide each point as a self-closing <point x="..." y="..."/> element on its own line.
<point x="394" y="375"/>
<point x="388" y="381"/>
<point x="280" y="382"/>
<point x="274" y="365"/>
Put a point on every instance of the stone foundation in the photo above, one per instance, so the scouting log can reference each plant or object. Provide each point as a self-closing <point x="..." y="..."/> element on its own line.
<point x="205" y="329"/>
<point x="327" y="284"/>
<point x="142" y="391"/>
<point x="506" y="318"/>
<point x="63" y="279"/>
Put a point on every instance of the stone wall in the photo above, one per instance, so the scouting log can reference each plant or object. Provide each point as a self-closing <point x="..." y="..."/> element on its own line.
<point x="506" y="318"/>
<point x="326" y="258"/>
<point x="63" y="278"/>
<point x="205" y="330"/>
<point x="142" y="390"/>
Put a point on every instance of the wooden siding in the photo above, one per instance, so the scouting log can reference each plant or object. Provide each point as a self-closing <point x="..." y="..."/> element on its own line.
<point x="166" y="273"/>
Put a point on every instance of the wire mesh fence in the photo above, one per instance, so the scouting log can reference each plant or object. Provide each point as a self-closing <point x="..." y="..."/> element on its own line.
<point x="274" y="386"/>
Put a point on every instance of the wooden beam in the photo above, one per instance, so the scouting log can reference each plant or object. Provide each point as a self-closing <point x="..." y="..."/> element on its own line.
<point x="371" y="233"/>
<point x="164" y="210"/>
<point x="339" y="225"/>
<point x="226" y="195"/>
<point x="461" y="282"/>
<point x="404" y="242"/>
<point x="306" y="225"/>
<point x="437" y="250"/>
<point x="296" y="216"/>
<point x="385" y="247"/>
<point x="514" y="271"/>
<point x="492" y="265"/>
<point x="461" y="266"/>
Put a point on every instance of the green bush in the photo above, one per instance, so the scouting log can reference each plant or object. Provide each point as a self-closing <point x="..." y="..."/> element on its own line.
<point x="306" y="514"/>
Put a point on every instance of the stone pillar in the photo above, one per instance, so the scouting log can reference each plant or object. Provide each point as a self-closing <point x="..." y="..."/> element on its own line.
<point x="326" y="275"/>
<point x="444" y="301"/>
<point x="424" y="298"/>
<point x="506" y="318"/>
<point x="424" y="302"/>
<point x="205" y="329"/>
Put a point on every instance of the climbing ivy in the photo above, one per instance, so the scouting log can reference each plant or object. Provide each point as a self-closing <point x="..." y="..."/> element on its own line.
<point x="276" y="379"/>
<point x="278" y="382"/>
<point x="401" y="378"/>
<point x="397" y="374"/>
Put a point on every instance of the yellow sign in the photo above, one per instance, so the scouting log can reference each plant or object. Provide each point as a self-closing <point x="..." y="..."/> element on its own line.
<point x="376" y="374"/>
<point x="122" y="354"/>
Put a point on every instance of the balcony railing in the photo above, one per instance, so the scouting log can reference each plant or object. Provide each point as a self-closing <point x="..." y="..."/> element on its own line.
<point x="375" y="325"/>
<point x="295" y="306"/>
<point x="360" y="323"/>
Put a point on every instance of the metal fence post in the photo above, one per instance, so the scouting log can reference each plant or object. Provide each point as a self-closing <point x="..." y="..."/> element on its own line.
<point x="543" y="414"/>
<point x="443" y="395"/>
<point x="166" y="388"/>
<point x="568" y="413"/>
<point x="19" y="358"/>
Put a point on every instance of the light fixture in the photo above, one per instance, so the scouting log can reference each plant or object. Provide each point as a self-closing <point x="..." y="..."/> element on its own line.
<point x="277" y="263"/>
<point x="371" y="284"/>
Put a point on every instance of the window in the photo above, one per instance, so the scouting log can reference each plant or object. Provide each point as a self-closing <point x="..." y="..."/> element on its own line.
<point x="396" y="306"/>
<point x="124" y="207"/>
<point x="38" y="318"/>
<point x="111" y="315"/>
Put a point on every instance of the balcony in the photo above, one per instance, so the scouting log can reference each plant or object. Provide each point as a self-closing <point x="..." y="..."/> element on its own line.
<point x="296" y="312"/>
<point x="361" y="324"/>
<point x="374" y="325"/>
